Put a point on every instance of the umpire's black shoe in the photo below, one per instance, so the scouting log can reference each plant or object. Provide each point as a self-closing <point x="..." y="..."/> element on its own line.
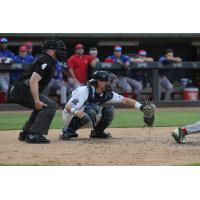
<point x="67" y="134"/>
<point x="102" y="135"/>
<point x="22" y="136"/>
<point x="36" y="138"/>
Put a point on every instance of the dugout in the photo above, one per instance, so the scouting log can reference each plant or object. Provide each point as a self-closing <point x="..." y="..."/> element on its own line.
<point x="187" y="46"/>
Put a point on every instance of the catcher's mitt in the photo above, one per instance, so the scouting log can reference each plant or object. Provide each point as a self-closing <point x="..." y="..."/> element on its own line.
<point x="148" y="109"/>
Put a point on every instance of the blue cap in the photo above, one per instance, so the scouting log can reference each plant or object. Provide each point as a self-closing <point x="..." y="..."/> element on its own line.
<point x="117" y="48"/>
<point x="3" y="40"/>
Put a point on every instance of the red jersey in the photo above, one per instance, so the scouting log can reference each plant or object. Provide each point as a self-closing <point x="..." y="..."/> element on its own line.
<point x="80" y="64"/>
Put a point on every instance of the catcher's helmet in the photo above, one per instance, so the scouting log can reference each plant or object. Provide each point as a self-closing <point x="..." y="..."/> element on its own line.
<point x="110" y="78"/>
<point x="100" y="75"/>
<point x="58" y="45"/>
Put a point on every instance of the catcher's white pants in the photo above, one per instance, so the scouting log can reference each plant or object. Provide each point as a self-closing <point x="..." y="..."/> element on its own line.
<point x="67" y="117"/>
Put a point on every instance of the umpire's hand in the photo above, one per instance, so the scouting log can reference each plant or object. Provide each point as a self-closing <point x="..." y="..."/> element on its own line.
<point x="39" y="105"/>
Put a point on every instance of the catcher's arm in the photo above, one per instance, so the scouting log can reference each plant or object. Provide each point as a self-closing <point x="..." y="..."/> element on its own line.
<point x="131" y="103"/>
<point x="147" y="108"/>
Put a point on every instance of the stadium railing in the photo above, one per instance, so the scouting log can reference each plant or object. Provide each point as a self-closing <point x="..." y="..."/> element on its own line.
<point x="154" y="67"/>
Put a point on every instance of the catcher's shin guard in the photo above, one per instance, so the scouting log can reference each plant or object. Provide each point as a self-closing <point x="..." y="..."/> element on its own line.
<point x="106" y="119"/>
<point x="76" y="123"/>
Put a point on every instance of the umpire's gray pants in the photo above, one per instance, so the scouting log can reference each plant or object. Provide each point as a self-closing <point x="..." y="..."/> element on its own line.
<point x="40" y="121"/>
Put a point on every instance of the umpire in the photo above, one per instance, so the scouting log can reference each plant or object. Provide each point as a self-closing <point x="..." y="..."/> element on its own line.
<point x="27" y="91"/>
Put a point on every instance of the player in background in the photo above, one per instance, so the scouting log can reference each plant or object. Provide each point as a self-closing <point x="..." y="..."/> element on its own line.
<point x="78" y="65"/>
<point x="93" y="52"/>
<point x="141" y="75"/>
<point x="127" y="84"/>
<point x="168" y="58"/>
<point x="58" y="83"/>
<point x="23" y="58"/>
<point x="29" y="46"/>
<point x="141" y="57"/>
<point x="6" y="57"/>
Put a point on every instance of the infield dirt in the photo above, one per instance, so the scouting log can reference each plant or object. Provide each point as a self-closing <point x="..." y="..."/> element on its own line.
<point x="129" y="146"/>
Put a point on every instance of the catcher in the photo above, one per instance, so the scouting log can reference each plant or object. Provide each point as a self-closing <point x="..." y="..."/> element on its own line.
<point x="87" y="106"/>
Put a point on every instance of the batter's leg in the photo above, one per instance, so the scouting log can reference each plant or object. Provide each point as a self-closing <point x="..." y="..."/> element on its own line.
<point x="193" y="128"/>
<point x="179" y="134"/>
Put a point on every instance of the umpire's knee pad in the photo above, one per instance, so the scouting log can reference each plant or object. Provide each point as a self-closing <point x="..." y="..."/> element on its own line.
<point x="107" y="113"/>
<point x="90" y="112"/>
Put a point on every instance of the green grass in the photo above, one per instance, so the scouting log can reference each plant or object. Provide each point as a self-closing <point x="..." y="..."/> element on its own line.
<point x="194" y="164"/>
<point x="122" y="119"/>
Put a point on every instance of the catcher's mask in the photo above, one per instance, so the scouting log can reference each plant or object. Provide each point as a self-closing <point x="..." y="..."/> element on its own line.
<point x="57" y="45"/>
<point x="110" y="78"/>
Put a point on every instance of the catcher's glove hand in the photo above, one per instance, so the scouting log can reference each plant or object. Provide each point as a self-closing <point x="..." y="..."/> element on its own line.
<point x="148" y="109"/>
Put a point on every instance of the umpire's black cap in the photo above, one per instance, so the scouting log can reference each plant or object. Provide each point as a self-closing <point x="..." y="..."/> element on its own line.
<point x="58" y="45"/>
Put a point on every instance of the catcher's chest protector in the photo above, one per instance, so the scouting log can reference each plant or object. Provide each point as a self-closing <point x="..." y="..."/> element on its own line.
<point x="99" y="99"/>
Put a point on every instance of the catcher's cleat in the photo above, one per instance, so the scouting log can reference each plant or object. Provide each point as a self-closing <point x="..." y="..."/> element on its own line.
<point x="22" y="136"/>
<point x="67" y="134"/>
<point x="102" y="135"/>
<point x="179" y="136"/>
<point x="37" y="138"/>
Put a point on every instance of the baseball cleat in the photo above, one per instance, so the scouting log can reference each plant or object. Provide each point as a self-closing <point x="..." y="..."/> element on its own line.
<point x="102" y="135"/>
<point x="179" y="136"/>
<point x="22" y="136"/>
<point x="67" y="134"/>
<point x="36" y="138"/>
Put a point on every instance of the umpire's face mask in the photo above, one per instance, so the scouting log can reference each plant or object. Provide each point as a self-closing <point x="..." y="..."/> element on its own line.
<point x="111" y="81"/>
<point x="61" y="55"/>
<point x="61" y="51"/>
